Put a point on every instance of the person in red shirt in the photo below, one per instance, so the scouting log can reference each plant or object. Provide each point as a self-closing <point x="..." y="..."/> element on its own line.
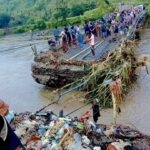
<point x="90" y="39"/>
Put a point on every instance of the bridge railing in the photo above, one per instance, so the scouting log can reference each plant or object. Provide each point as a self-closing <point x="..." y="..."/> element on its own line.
<point x="134" y="26"/>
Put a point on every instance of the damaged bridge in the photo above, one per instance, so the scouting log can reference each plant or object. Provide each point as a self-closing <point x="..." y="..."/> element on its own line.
<point x="58" y="68"/>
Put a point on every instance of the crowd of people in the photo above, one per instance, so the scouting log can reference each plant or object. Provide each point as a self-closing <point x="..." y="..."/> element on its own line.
<point x="111" y="25"/>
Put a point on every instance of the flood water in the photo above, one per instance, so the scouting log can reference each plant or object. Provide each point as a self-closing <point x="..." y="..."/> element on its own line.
<point x="22" y="93"/>
<point x="17" y="87"/>
<point x="136" y="109"/>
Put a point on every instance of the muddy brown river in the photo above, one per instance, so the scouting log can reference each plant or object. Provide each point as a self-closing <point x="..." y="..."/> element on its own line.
<point x="18" y="88"/>
<point x="22" y="93"/>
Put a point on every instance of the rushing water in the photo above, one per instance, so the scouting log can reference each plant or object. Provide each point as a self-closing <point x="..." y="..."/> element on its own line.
<point x="17" y="87"/>
<point x="22" y="93"/>
<point x="136" y="109"/>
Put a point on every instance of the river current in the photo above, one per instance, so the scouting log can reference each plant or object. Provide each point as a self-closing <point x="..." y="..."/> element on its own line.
<point x="17" y="86"/>
<point x="22" y="93"/>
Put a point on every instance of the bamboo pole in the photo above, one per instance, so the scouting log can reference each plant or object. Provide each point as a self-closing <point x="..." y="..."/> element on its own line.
<point x="114" y="109"/>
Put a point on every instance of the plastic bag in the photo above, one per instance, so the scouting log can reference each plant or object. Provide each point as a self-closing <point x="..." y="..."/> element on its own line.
<point x="85" y="140"/>
<point x="10" y="116"/>
<point x="97" y="148"/>
<point x="77" y="138"/>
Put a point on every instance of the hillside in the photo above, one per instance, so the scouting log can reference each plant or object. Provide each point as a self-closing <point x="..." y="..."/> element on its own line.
<point x="21" y="12"/>
<point x="26" y="15"/>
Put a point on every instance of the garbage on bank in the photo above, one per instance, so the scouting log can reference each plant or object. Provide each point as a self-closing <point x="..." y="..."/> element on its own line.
<point x="46" y="131"/>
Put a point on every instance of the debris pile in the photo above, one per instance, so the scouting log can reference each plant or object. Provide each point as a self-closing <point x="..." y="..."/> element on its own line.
<point x="118" y="65"/>
<point x="46" y="131"/>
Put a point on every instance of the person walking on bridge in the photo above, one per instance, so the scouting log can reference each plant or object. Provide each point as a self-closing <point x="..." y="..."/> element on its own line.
<point x="90" y="39"/>
<point x="79" y="38"/>
<point x="64" y="42"/>
<point x="86" y="28"/>
<point x="74" y="38"/>
<point x="56" y="33"/>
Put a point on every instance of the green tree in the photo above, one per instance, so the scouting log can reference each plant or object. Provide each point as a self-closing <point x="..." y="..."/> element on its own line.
<point x="4" y="20"/>
<point x="77" y="10"/>
<point x="104" y="7"/>
<point x="40" y="24"/>
<point x="62" y="9"/>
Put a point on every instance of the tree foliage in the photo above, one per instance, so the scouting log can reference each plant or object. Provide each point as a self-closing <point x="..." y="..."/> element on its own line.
<point x="23" y="15"/>
<point x="4" y="20"/>
<point x="78" y="9"/>
<point x="40" y="24"/>
<point x="24" y="12"/>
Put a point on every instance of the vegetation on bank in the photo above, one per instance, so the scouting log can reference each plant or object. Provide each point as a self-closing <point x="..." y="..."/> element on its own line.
<point x="64" y="13"/>
<point x="22" y="16"/>
<point x="117" y="65"/>
<point x="27" y="12"/>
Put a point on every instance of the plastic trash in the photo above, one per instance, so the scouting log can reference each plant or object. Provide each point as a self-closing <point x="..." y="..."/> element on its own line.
<point x="54" y="145"/>
<point x="10" y="116"/>
<point x="97" y="148"/>
<point x="53" y="117"/>
<point x="57" y="139"/>
<point x="45" y="141"/>
<point x="39" y="146"/>
<point x="120" y="145"/>
<point x="109" y="132"/>
<point x="77" y="138"/>
<point x="60" y="133"/>
<point x="80" y="126"/>
<point x="51" y="124"/>
<point x="93" y="125"/>
<point x="64" y="119"/>
<point x="107" y="82"/>
<point x="66" y="126"/>
<point x="41" y="131"/>
<point x="86" y="116"/>
<point x="74" y="123"/>
<point x="75" y="146"/>
<point x="85" y="140"/>
<point x="99" y="130"/>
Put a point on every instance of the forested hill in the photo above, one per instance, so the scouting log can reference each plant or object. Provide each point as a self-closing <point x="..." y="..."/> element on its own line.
<point x="33" y="15"/>
<point x="22" y="12"/>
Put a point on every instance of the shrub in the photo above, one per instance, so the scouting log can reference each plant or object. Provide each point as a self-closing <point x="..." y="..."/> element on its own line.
<point x="19" y="29"/>
<point x="2" y="32"/>
<point x="73" y="20"/>
<point x="40" y="24"/>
